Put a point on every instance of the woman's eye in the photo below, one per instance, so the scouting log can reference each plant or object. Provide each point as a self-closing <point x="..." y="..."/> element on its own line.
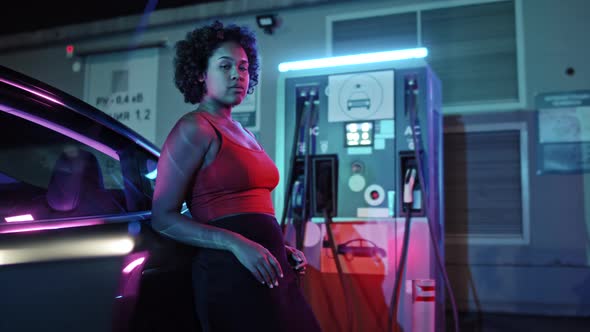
<point x="226" y="67"/>
<point x="242" y="68"/>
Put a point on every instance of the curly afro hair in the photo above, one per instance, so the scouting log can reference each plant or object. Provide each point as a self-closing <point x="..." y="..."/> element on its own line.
<point x="193" y="53"/>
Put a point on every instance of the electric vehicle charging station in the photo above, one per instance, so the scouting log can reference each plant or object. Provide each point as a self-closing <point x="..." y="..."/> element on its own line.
<point x="359" y="147"/>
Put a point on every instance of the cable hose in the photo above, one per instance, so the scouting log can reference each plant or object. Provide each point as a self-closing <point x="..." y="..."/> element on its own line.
<point x="349" y="308"/>
<point x="441" y="265"/>
<point x="306" y="173"/>
<point x="306" y="116"/>
<point x="287" y="203"/>
<point x="393" y="304"/>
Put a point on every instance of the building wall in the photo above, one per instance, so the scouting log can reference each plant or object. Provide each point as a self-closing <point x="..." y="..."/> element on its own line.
<point x="550" y="275"/>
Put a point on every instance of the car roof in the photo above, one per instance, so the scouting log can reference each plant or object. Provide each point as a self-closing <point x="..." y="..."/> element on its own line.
<point x="73" y="104"/>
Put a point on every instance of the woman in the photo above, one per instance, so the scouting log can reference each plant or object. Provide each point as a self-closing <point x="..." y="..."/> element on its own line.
<point x="241" y="275"/>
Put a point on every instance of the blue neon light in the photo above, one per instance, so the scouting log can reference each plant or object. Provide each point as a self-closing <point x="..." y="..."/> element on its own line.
<point x="412" y="53"/>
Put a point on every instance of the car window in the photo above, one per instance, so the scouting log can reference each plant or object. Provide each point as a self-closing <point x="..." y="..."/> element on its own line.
<point x="47" y="173"/>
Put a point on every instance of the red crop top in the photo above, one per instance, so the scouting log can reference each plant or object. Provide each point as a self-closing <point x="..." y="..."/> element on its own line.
<point x="238" y="180"/>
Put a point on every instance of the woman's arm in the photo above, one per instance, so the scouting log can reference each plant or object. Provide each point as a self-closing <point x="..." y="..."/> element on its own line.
<point x="182" y="155"/>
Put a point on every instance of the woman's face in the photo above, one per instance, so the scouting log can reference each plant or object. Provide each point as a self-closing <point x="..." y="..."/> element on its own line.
<point x="227" y="76"/>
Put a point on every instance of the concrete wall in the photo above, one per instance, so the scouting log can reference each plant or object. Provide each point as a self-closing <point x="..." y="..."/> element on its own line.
<point x="551" y="274"/>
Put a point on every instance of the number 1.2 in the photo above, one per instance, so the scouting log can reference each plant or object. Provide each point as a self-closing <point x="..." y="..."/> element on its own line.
<point x="145" y="115"/>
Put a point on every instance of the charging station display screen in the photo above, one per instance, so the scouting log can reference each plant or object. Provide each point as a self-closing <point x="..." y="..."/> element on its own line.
<point x="359" y="133"/>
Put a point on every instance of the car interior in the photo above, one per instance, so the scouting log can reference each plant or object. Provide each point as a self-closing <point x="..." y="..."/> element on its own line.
<point x="77" y="185"/>
<point x="55" y="177"/>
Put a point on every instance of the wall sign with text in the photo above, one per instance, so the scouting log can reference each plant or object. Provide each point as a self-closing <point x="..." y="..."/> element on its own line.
<point x="563" y="132"/>
<point x="124" y="85"/>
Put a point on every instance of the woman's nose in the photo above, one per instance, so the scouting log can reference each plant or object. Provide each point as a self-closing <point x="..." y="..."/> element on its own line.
<point x="234" y="74"/>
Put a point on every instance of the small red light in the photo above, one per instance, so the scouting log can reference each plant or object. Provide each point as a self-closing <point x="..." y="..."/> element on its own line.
<point x="374" y="194"/>
<point x="70" y="49"/>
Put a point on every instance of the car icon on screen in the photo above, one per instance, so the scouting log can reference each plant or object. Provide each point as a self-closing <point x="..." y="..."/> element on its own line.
<point x="358" y="99"/>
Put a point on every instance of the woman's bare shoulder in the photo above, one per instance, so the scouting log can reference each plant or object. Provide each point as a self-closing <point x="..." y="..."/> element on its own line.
<point x="192" y="128"/>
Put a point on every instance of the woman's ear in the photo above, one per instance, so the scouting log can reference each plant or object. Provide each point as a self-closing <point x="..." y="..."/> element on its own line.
<point x="201" y="77"/>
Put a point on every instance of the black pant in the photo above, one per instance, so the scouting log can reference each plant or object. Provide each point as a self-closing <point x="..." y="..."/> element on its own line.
<point x="229" y="298"/>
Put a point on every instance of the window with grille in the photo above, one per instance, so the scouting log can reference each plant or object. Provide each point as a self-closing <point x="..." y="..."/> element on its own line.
<point x="485" y="183"/>
<point x="374" y="34"/>
<point x="472" y="48"/>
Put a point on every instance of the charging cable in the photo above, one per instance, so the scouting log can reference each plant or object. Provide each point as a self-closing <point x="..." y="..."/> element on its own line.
<point x="347" y="297"/>
<point x="408" y="199"/>
<point x="296" y="202"/>
<point x="412" y="86"/>
<point x="298" y="136"/>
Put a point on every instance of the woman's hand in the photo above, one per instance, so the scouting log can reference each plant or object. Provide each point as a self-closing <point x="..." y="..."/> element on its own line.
<point x="258" y="260"/>
<point x="297" y="259"/>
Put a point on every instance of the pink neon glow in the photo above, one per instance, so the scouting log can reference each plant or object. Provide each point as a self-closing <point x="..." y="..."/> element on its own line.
<point x="131" y="275"/>
<point x="48" y="226"/>
<point x="24" y="217"/>
<point x="65" y="131"/>
<point x="131" y="266"/>
<point x="42" y="95"/>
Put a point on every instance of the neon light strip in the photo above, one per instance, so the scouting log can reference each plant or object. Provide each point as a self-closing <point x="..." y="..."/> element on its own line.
<point x="24" y="217"/>
<point x="89" y="246"/>
<point x="131" y="266"/>
<point x="42" y="227"/>
<point x="412" y="53"/>
<point x="42" y="95"/>
<point x="63" y="130"/>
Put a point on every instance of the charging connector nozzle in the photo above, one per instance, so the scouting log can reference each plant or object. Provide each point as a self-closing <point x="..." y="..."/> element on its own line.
<point x="409" y="182"/>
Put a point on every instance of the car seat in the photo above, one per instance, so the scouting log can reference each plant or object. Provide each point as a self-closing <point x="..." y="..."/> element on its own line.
<point x="76" y="186"/>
